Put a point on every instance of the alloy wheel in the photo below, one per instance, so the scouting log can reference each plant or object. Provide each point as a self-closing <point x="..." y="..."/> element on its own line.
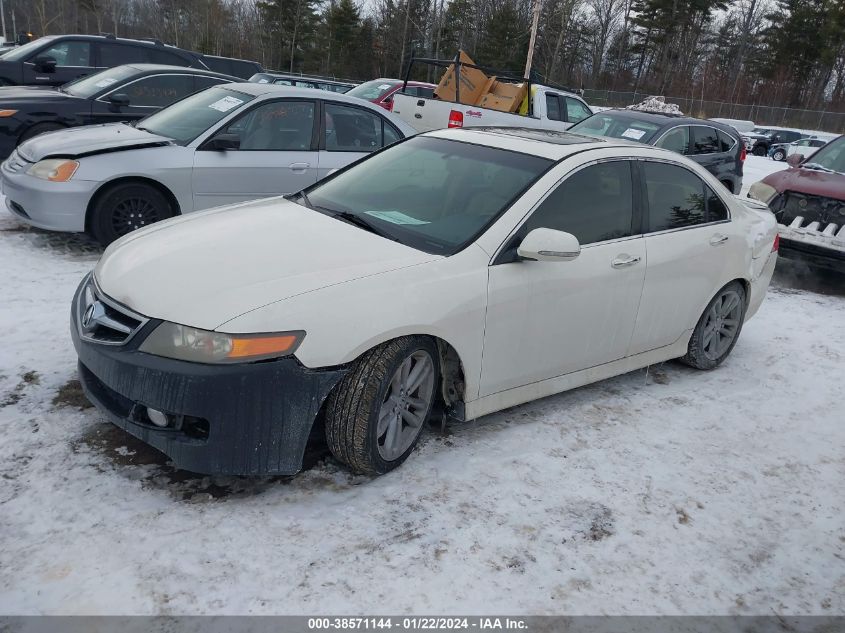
<point x="405" y="406"/>
<point x="722" y="324"/>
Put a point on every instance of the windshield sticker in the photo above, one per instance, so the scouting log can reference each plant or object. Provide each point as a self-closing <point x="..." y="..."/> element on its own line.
<point x="264" y="81"/>
<point x="634" y="134"/>
<point x="225" y="104"/>
<point x="396" y="217"/>
<point x="105" y="82"/>
<point x="384" y="87"/>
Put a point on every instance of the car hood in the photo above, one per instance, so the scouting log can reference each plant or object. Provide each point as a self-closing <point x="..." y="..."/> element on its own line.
<point x="90" y="139"/>
<point x="808" y="181"/>
<point x="209" y="267"/>
<point x="14" y="95"/>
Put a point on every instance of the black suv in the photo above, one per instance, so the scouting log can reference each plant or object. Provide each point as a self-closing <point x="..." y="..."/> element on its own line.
<point x="760" y="140"/>
<point x="714" y="146"/>
<point x="57" y="59"/>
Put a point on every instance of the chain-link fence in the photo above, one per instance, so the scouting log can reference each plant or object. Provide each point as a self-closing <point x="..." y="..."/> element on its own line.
<point x="762" y="115"/>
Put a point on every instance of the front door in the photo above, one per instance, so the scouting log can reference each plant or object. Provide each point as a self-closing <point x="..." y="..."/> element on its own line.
<point x="546" y="319"/>
<point x="73" y="60"/>
<point x="277" y="155"/>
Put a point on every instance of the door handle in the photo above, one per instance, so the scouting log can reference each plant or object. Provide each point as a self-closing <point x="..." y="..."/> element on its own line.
<point x="299" y="167"/>
<point x="718" y="239"/>
<point x="623" y="261"/>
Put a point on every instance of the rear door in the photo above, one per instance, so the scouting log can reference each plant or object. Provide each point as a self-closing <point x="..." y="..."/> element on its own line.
<point x="706" y="150"/>
<point x="689" y="241"/>
<point x="348" y="133"/>
<point x="277" y="155"/>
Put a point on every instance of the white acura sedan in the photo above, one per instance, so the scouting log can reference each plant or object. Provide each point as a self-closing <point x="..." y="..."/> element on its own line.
<point x="459" y="272"/>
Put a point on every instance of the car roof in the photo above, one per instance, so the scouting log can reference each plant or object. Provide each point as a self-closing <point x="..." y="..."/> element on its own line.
<point x="670" y="120"/>
<point x="113" y="38"/>
<point x="275" y="75"/>
<point x="164" y="68"/>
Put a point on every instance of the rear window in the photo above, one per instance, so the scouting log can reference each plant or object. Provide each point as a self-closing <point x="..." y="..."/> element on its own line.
<point x="372" y="90"/>
<point x="617" y="126"/>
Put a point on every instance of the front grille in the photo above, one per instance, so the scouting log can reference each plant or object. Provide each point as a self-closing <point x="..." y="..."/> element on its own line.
<point x="103" y="320"/>
<point x="15" y="163"/>
<point x="791" y="205"/>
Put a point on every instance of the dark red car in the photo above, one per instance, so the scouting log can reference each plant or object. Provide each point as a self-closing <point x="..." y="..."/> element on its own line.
<point x="381" y="91"/>
<point x="808" y="200"/>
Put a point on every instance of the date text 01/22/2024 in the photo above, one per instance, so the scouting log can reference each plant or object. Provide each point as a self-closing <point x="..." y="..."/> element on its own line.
<point x="416" y="623"/>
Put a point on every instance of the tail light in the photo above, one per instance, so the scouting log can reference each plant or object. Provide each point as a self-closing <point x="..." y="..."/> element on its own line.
<point x="743" y="153"/>
<point x="456" y="118"/>
<point x="776" y="244"/>
<point x="390" y="106"/>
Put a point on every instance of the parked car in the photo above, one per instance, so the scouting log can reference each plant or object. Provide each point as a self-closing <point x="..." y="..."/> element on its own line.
<point x="759" y="140"/>
<point x="57" y="59"/>
<point x="714" y="146"/>
<point x="382" y="91"/>
<point x="805" y="146"/>
<point x="361" y="305"/>
<point x="302" y="81"/>
<point x="808" y="200"/>
<point x="223" y="145"/>
<point x="123" y="93"/>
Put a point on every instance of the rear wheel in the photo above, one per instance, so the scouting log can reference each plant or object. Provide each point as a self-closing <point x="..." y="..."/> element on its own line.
<point x="718" y="328"/>
<point x="759" y="150"/>
<point x="40" y="128"/>
<point x="778" y="154"/>
<point x="126" y="207"/>
<point x="375" y="415"/>
<point x="728" y="185"/>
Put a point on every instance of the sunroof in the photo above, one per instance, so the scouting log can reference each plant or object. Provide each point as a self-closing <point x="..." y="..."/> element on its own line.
<point x="547" y="136"/>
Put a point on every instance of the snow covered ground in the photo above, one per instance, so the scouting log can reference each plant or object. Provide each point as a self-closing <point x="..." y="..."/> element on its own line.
<point x="664" y="491"/>
<point x="756" y="168"/>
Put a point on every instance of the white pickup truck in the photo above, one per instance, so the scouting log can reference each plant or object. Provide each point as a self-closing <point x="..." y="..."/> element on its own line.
<point x="548" y="108"/>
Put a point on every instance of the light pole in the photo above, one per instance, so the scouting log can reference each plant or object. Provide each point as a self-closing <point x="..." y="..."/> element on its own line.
<point x="3" y="19"/>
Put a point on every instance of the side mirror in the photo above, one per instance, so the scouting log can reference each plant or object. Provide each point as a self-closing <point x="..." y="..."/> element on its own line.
<point x="224" y="142"/>
<point x="549" y="245"/>
<point x="44" y="64"/>
<point x="793" y="160"/>
<point x="120" y="99"/>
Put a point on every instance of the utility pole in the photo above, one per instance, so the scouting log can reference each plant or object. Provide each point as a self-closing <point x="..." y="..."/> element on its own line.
<point x="3" y="19"/>
<point x="533" y="40"/>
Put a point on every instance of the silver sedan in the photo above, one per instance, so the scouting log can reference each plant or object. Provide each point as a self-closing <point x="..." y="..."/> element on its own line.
<point x="223" y="145"/>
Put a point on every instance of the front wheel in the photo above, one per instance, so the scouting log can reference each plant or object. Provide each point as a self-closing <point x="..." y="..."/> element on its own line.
<point x="375" y="415"/>
<point x="778" y="154"/>
<point x="718" y="328"/>
<point x="125" y="207"/>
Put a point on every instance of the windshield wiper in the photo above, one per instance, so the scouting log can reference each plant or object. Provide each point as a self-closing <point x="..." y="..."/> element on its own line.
<point x="818" y="167"/>
<point x="302" y="196"/>
<point x="357" y="220"/>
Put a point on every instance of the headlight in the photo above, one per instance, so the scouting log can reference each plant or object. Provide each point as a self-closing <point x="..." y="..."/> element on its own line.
<point x="55" y="169"/>
<point x="201" y="346"/>
<point x="762" y="192"/>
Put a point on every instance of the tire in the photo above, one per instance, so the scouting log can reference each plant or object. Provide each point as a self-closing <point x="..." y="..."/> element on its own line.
<point x="373" y="389"/>
<point x="778" y="154"/>
<point x="727" y="184"/>
<point x="122" y="208"/>
<point x="759" y="150"/>
<point x="40" y="128"/>
<point x="703" y="351"/>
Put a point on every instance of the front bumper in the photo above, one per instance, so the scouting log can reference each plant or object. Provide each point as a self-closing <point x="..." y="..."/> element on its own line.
<point x="245" y="419"/>
<point x="55" y="206"/>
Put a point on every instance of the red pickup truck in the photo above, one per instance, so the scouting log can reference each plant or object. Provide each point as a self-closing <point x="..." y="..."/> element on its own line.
<point x="808" y="200"/>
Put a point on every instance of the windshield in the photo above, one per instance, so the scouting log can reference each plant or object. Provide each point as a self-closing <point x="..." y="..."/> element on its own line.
<point x="372" y="90"/>
<point x="616" y="126"/>
<point x="87" y="87"/>
<point x="22" y="52"/>
<point x="831" y="156"/>
<point x="187" y="119"/>
<point x="432" y="194"/>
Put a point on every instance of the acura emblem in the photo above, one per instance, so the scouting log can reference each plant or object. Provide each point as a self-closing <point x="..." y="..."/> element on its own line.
<point x="93" y="313"/>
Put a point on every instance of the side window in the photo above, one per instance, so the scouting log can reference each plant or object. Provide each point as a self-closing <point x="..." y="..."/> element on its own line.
<point x="575" y="110"/>
<point x="594" y="204"/>
<point x="157" y="91"/>
<point x="716" y="209"/>
<point x="676" y="140"/>
<point x="69" y="53"/>
<point x="391" y="134"/>
<point x="351" y="129"/>
<point x="726" y="141"/>
<point x="201" y="82"/>
<point x="117" y="54"/>
<point x="553" y="108"/>
<point x="675" y="197"/>
<point x="158" y="56"/>
<point x="704" y="140"/>
<point x="283" y="82"/>
<point x="428" y="93"/>
<point x="818" y="143"/>
<point x="276" y="126"/>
